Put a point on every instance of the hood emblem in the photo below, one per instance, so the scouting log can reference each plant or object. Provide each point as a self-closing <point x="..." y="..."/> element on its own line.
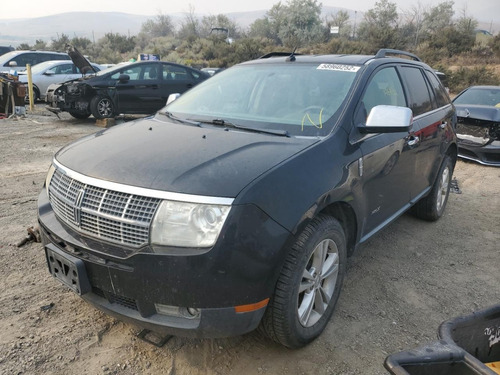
<point x="77" y="210"/>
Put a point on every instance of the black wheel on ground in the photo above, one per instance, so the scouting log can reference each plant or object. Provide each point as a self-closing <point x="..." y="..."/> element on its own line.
<point x="308" y="286"/>
<point x="79" y="115"/>
<point x="102" y="107"/>
<point x="36" y="94"/>
<point x="431" y="207"/>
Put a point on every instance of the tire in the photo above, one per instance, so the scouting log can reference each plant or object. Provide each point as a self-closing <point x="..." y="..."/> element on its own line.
<point x="36" y="95"/>
<point x="79" y="115"/>
<point x="304" y="299"/>
<point x="432" y="206"/>
<point x="102" y="107"/>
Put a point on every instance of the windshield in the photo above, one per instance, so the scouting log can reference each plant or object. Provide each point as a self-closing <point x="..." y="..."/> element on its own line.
<point x="480" y="96"/>
<point x="112" y="68"/>
<point x="301" y="99"/>
<point x="40" y="68"/>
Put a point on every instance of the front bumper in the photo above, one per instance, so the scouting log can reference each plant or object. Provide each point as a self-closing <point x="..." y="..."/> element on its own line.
<point x="486" y="155"/>
<point x="241" y="269"/>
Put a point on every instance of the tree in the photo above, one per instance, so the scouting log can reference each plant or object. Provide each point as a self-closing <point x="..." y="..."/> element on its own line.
<point x="379" y="27"/>
<point x="190" y="26"/>
<point x="301" y="24"/>
<point x="412" y="29"/>
<point x="294" y="25"/>
<point x="219" y="21"/>
<point x="161" y="25"/>
<point x="438" y="18"/>
<point x="59" y="44"/>
<point x="117" y="42"/>
<point x="341" y="20"/>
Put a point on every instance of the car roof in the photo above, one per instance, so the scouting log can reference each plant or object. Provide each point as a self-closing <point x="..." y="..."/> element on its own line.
<point x="383" y="55"/>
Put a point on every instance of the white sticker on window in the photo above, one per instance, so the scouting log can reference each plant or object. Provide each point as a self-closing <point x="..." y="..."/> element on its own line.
<point x="339" y="67"/>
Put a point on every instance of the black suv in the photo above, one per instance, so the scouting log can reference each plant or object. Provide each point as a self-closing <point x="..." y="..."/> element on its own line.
<point x="238" y="203"/>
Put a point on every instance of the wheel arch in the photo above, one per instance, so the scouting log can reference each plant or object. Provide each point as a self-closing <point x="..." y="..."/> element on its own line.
<point x="346" y="216"/>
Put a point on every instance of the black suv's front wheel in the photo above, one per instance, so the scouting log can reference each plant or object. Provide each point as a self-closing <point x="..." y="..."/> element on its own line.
<point x="308" y="286"/>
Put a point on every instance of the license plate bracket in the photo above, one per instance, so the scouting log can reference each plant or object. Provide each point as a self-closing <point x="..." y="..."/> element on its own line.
<point x="68" y="269"/>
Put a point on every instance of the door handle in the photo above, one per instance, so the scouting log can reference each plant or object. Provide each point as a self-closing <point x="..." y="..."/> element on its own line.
<point x="413" y="140"/>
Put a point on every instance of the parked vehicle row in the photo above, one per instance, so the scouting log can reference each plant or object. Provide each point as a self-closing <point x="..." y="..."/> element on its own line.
<point x="238" y="203"/>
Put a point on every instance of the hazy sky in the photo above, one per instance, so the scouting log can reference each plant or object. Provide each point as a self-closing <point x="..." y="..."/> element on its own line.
<point x="484" y="10"/>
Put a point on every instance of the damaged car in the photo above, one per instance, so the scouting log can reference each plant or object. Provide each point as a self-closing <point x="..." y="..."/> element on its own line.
<point x="237" y="205"/>
<point x="478" y="127"/>
<point x="138" y="88"/>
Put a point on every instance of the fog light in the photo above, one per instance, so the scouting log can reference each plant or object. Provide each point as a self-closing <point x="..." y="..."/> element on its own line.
<point x="193" y="312"/>
<point x="179" y="312"/>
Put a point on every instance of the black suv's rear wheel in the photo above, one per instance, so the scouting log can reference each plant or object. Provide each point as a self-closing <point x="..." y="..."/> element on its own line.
<point x="432" y="206"/>
<point x="102" y="107"/>
<point x="308" y="286"/>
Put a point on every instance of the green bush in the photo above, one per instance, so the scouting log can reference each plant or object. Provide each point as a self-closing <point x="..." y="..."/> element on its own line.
<point x="464" y="77"/>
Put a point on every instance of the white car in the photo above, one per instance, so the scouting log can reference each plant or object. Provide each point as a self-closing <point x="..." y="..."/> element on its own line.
<point x="49" y="72"/>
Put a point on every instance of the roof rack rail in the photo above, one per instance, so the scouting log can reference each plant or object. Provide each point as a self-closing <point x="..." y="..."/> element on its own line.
<point x="387" y="51"/>
<point x="278" y="54"/>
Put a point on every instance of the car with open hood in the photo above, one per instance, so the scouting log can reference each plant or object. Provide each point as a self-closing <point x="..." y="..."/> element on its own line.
<point x="54" y="72"/>
<point x="238" y="203"/>
<point x="478" y="128"/>
<point x="136" y="88"/>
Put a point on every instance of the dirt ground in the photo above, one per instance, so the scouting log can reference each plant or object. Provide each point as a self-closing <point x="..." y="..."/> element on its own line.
<point x="399" y="287"/>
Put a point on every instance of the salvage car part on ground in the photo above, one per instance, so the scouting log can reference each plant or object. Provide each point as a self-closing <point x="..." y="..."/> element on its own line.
<point x="468" y="345"/>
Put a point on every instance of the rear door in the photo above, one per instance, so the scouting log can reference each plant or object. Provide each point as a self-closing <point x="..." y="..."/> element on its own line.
<point x="140" y="94"/>
<point x="432" y="113"/>
<point x="177" y="79"/>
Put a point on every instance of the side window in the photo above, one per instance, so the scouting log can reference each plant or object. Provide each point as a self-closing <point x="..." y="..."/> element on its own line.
<point x="64" y="69"/>
<point x="442" y="98"/>
<point x="195" y="74"/>
<point x="135" y="73"/>
<point x="421" y="101"/>
<point x="384" y="88"/>
<point x="174" y="72"/>
<point x="23" y="59"/>
<point x="151" y="72"/>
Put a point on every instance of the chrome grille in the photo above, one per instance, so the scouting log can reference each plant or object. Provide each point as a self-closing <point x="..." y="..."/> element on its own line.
<point x="107" y="214"/>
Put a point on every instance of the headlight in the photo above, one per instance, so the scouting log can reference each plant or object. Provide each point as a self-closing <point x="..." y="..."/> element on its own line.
<point x="183" y="224"/>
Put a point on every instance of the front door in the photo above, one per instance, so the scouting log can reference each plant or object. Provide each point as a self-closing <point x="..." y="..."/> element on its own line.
<point x="387" y="166"/>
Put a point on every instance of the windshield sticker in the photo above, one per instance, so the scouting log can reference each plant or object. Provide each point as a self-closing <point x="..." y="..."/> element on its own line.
<point x="339" y="67"/>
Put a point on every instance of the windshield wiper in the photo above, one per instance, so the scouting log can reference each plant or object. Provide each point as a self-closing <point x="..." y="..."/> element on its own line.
<point x="226" y="124"/>
<point x="178" y="119"/>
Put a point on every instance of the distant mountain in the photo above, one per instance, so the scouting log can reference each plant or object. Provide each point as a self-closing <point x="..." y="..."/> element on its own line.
<point x="94" y="25"/>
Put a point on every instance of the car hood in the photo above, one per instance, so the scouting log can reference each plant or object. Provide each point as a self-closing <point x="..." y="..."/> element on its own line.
<point x="181" y="158"/>
<point x="79" y="60"/>
<point x="478" y="112"/>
